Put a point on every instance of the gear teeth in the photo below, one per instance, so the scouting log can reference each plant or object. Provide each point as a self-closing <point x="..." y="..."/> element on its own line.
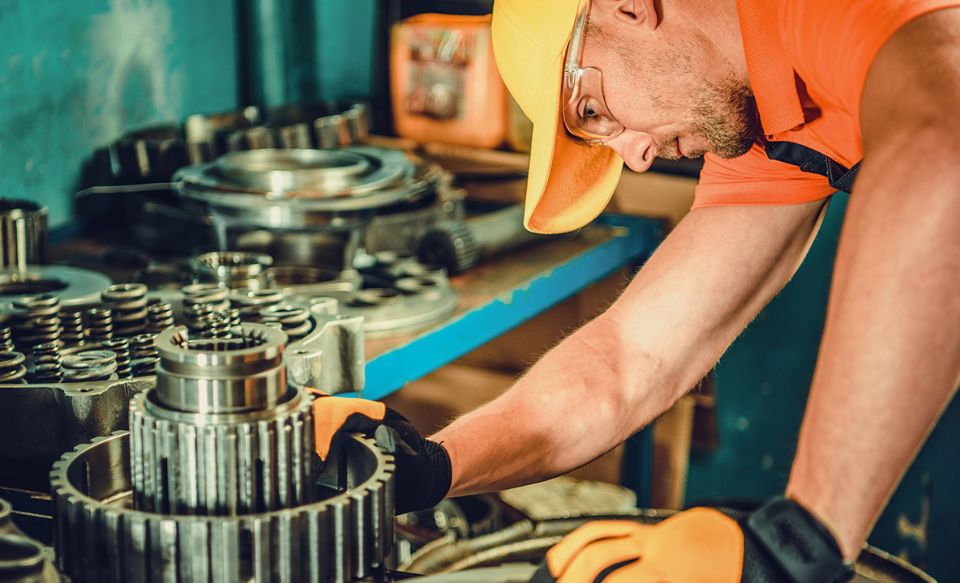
<point x="100" y="538"/>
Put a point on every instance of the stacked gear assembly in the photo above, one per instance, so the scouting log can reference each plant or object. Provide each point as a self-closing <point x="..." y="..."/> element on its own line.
<point x="217" y="479"/>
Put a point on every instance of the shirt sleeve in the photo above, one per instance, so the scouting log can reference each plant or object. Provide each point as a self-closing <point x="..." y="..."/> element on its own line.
<point x="754" y="179"/>
<point x="833" y="44"/>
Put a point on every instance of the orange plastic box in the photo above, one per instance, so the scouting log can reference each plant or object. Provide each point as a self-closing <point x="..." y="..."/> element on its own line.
<point x="444" y="82"/>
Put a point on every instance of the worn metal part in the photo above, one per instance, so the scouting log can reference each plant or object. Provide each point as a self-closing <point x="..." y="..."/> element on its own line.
<point x="233" y="269"/>
<point x="12" y="369"/>
<point x="99" y="323"/>
<point x="35" y="320"/>
<point x="23" y="233"/>
<point x="128" y="301"/>
<point x="101" y="537"/>
<point x="309" y="361"/>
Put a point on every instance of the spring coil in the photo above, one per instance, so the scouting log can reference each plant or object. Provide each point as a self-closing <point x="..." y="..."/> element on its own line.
<point x="216" y="325"/>
<point x="252" y="301"/>
<point x="6" y="339"/>
<point x="143" y="346"/>
<point x="294" y="320"/>
<point x="160" y="316"/>
<point x="206" y="293"/>
<point x="36" y="320"/>
<point x="145" y="367"/>
<point x="47" y="363"/>
<point x="99" y="324"/>
<point x="12" y="368"/>
<point x="121" y="347"/>
<point x="72" y="323"/>
<point x="90" y="365"/>
<point x="129" y="304"/>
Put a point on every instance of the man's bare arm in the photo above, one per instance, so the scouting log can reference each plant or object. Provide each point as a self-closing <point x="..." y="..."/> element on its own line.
<point x="890" y="356"/>
<point x="711" y="276"/>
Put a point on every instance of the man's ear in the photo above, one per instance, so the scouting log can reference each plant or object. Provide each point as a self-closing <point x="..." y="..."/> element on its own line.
<point x="643" y="12"/>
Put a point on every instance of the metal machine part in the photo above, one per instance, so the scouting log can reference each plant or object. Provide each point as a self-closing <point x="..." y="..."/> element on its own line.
<point x="23" y="233"/>
<point x="223" y="421"/>
<point x="344" y="535"/>
<point x="493" y="558"/>
<point x="459" y="245"/>
<point x="324" y="125"/>
<point x="304" y="206"/>
<point x="74" y="286"/>
<point x="233" y="269"/>
<point x="22" y="559"/>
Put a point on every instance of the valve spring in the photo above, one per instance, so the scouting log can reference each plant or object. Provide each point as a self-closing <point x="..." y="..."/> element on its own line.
<point x="6" y="339"/>
<point x="72" y="322"/>
<point x="252" y="301"/>
<point x="196" y="316"/>
<point x="36" y="320"/>
<point x="294" y="320"/>
<point x="206" y="293"/>
<point x="12" y="368"/>
<point x="47" y="363"/>
<point x="99" y="324"/>
<point x="160" y="316"/>
<point x="143" y="346"/>
<point x="90" y="365"/>
<point x="121" y="347"/>
<point x="129" y="304"/>
<point x="233" y="316"/>
<point x="145" y="366"/>
<point x="216" y="325"/>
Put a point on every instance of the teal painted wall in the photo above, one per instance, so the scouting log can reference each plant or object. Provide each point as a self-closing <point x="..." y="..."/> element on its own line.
<point x="762" y="383"/>
<point x="75" y="75"/>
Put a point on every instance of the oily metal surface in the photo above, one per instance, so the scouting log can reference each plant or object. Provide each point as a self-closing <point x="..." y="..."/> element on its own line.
<point x="221" y="464"/>
<point x="100" y="537"/>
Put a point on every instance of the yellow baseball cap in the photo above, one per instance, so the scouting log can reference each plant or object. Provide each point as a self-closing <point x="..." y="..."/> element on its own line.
<point x="569" y="182"/>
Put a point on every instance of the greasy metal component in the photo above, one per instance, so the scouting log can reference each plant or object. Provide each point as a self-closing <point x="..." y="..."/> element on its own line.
<point x="225" y="464"/>
<point x="233" y="269"/>
<point x="206" y="134"/>
<point x="160" y="316"/>
<point x="90" y="365"/>
<point x="309" y="364"/>
<point x="143" y="346"/>
<point x="12" y="369"/>
<point x="35" y="320"/>
<point x="22" y="559"/>
<point x="23" y="233"/>
<point x="74" y="286"/>
<point x="452" y="560"/>
<point x="202" y="375"/>
<point x="388" y="312"/>
<point x="99" y="323"/>
<point x="72" y="323"/>
<point x="294" y="320"/>
<point x="458" y="245"/>
<point x="120" y="347"/>
<point x="251" y="301"/>
<point x="209" y="294"/>
<point x="342" y="537"/>
<point x="47" y="363"/>
<point x="129" y="304"/>
<point x="6" y="339"/>
<point x="144" y="366"/>
<point x="323" y="125"/>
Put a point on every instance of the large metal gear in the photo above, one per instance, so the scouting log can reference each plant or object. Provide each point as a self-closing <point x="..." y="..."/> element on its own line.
<point x="101" y="538"/>
<point x="216" y="482"/>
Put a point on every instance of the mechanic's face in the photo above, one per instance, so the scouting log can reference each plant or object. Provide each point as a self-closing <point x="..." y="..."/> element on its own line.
<point x="674" y="94"/>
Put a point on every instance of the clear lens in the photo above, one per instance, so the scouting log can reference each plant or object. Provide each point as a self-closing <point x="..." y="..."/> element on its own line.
<point x="585" y="112"/>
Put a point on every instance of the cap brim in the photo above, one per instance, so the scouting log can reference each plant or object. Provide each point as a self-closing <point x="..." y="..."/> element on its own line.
<point x="569" y="182"/>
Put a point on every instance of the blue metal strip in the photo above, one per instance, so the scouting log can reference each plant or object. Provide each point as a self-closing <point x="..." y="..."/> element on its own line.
<point x="391" y="370"/>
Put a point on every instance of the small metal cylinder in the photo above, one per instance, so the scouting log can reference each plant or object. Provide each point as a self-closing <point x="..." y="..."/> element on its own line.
<point x="212" y="375"/>
<point x="23" y="233"/>
<point x="233" y="269"/>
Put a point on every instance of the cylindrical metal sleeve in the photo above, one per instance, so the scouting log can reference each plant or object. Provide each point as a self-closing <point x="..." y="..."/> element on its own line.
<point x="23" y="234"/>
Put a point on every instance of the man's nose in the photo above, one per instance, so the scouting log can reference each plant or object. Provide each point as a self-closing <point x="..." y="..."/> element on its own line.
<point x="638" y="149"/>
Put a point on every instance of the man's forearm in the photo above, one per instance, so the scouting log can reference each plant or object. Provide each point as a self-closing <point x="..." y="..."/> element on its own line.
<point x="609" y="379"/>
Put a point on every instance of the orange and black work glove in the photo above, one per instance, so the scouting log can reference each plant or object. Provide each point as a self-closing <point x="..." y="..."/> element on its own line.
<point x="779" y="543"/>
<point x="423" y="472"/>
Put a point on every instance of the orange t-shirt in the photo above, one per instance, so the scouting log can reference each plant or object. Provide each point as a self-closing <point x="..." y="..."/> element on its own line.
<point x="826" y="46"/>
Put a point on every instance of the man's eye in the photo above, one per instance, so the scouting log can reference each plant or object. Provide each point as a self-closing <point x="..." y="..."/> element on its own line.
<point x="588" y="111"/>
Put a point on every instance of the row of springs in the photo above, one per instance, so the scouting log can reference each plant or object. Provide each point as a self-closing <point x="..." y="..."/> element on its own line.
<point x="46" y="343"/>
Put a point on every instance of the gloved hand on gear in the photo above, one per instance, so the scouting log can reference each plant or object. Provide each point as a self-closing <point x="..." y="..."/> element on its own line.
<point x="779" y="543"/>
<point x="423" y="472"/>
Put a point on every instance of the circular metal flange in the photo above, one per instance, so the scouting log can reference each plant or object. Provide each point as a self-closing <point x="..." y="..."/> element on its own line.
<point x="211" y="375"/>
<point x="74" y="286"/>
<point x="100" y="537"/>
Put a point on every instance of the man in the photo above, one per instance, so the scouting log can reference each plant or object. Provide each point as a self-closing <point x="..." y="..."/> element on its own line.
<point x="784" y="98"/>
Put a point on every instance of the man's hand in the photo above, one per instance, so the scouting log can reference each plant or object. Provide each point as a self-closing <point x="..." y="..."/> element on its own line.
<point x="780" y="542"/>
<point x="423" y="467"/>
